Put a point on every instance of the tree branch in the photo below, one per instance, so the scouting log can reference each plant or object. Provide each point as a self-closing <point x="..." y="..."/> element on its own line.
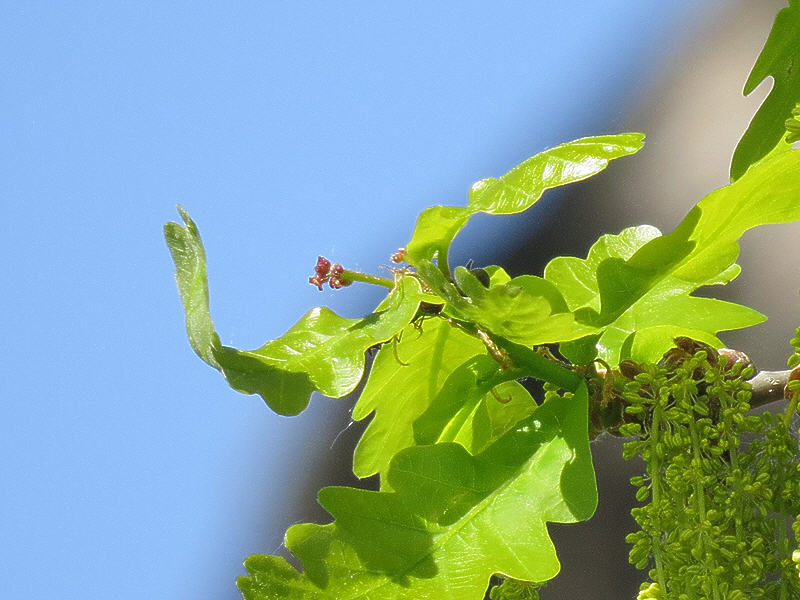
<point x="768" y="387"/>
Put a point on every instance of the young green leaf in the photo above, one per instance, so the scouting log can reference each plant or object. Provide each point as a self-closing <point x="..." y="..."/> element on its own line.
<point x="189" y="257"/>
<point x="517" y="190"/>
<point x="451" y="522"/>
<point x="639" y="280"/>
<point x="398" y="392"/>
<point x="322" y="352"/>
<point x="652" y="302"/>
<point x="527" y="310"/>
<point x="780" y="58"/>
<point x="474" y="406"/>
<point x="576" y="278"/>
<point x="649" y="344"/>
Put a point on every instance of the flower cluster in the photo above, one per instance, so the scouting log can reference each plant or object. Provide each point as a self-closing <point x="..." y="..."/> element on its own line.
<point x="794" y="358"/>
<point x="324" y="272"/>
<point x="721" y="486"/>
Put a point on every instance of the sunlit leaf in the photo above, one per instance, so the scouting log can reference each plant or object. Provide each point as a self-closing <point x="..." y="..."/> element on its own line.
<point x="526" y="310"/>
<point x="649" y="344"/>
<point x="639" y="280"/>
<point x="576" y="278"/>
<point x="399" y="392"/>
<point x="780" y="59"/>
<point x="517" y="190"/>
<point x="190" y="274"/>
<point x="322" y="352"/>
<point x="472" y="409"/>
<point x="523" y="185"/>
<point x="452" y="520"/>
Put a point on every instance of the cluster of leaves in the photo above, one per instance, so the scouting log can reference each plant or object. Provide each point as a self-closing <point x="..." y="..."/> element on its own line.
<point x="462" y="449"/>
<point x="471" y="467"/>
<point x="722" y="485"/>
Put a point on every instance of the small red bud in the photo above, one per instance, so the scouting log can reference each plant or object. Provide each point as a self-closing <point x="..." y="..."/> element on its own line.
<point x="399" y="256"/>
<point x="323" y="266"/>
<point x="327" y="273"/>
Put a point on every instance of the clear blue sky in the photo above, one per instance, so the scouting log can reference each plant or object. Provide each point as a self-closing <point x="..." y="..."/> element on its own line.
<point x="129" y="469"/>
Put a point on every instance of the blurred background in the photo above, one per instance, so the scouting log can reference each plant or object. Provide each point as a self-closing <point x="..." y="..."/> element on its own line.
<point x="292" y="129"/>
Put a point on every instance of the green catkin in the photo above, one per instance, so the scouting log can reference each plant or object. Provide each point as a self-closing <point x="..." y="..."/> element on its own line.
<point x="721" y="489"/>
<point x="794" y="358"/>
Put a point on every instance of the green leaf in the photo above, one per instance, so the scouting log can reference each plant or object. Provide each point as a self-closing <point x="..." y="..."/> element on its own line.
<point x="511" y="589"/>
<point x="399" y="393"/>
<point x="581" y="351"/>
<point x="639" y="280"/>
<point x="451" y="522"/>
<point x="649" y="344"/>
<point x="322" y="352"/>
<point x="523" y="185"/>
<point x="525" y="318"/>
<point x="497" y="275"/>
<point x="517" y="190"/>
<point x="467" y="410"/>
<point x="190" y="274"/>
<point x="506" y="406"/>
<point x="780" y="58"/>
<point x="576" y="278"/>
<point x="527" y="310"/>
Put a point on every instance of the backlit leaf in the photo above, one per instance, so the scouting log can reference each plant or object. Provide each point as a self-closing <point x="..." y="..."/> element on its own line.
<point x="452" y="520"/>
<point x="517" y="190"/>
<point x="322" y="352"/>
<point x="780" y="59"/>
<point x="526" y="310"/>
<point x="399" y="393"/>
<point x="639" y="280"/>
<point x="472" y="409"/>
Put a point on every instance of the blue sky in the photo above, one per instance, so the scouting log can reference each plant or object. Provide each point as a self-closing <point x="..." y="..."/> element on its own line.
<point x="287" y="130"/>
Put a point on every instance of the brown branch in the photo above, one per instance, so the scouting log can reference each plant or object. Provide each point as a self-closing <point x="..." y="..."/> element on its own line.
<point x="768" y="386"/>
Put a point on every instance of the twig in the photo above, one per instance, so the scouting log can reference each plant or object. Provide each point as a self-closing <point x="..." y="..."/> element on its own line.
<point x="768" y="387"/>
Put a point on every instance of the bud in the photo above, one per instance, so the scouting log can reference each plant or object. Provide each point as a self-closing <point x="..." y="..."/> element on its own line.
<point x="788" y="391"/>
<point x="734" y="357"/>
<point x="323" y="266"/>
<point x="399" y="256"/>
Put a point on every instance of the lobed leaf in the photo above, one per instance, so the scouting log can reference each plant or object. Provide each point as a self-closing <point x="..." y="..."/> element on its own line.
<point x="517" y="190"/>
<point x="474" y="407"/>
<point x="526" y="310"/>
<point x="780" y="59"/>
<point x="400" y="393"/>
<point x="639" y="280"/>
<point x="322" y="352"/>
<point x="451" y="522"/>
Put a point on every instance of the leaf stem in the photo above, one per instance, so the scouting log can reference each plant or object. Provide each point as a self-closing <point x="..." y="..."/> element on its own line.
<point x="442" y="263"/>
<point x="524" y="361"/>
<point x="351" y="276"/>
<point x="536" y="365"/>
